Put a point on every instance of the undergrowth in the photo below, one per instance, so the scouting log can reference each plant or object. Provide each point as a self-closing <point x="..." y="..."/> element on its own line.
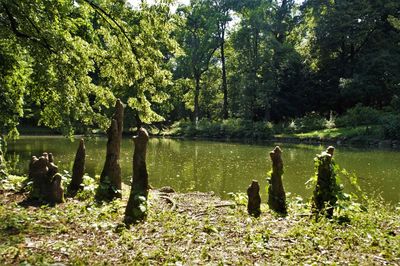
<point x="192" y="228"/>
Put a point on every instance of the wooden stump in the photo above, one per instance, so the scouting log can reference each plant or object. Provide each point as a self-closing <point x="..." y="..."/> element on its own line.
<point x="110" y="178"/>
<point x="325" y="192"/>
<point x="46" y="180"/>
<point x="3" y="168"/>
<point x="136" y="210"/>
<point x="254" y="202"/>
<point x="78" y="170"/>
<point x="276" y="192"/>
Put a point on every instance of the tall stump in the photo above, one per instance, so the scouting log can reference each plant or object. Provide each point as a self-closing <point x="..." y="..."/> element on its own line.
<point x="3" y="167"/>
<point x="46" y="181"/>
<point x="136" y="210"/>
<point x="254" y="199"/>
<point x="325" y="192"/>
<point x="276" y="192"/>
<point x="78" y="170"/>
<point x="110" y="178"/>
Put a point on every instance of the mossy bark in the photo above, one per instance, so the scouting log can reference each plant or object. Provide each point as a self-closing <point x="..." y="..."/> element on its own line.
<point x="325" y="192"/>
<point x="276" y="192"/>
<point x="110" y="178"/>
<point x="254" y="199"/>
<point x="136" y="210"/>
<point x="78" y="170"/>
<point x="46" y="180"/>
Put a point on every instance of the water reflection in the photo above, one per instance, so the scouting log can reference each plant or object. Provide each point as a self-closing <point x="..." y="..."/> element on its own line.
<point x="220" y="167"/>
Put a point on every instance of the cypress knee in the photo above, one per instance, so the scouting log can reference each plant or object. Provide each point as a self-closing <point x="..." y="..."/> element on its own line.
<point x="136" y="210"/>
<point x="276" y="192"/>
<point x="46" y="181"/>
<point x="254" y="202"/>
<point x="325" y="192"/>
<point x="110" y="178"/>
<point x="78" y="170"/>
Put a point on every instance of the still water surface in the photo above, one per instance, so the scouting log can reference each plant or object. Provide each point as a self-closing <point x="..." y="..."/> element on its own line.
<point x="219" y="166"/>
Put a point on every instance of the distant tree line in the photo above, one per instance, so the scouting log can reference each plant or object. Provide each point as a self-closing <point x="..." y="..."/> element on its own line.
<point x="64" y="62"/>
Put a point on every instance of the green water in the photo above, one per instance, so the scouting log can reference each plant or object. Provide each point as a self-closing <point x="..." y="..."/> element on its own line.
<point x="221" y="167"/>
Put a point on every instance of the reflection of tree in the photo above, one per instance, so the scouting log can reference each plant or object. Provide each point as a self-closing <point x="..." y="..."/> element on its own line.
<point x="189" y="165"/>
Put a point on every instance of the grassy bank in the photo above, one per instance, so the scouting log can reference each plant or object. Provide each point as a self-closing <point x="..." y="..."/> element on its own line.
<point x="192" y="228"/>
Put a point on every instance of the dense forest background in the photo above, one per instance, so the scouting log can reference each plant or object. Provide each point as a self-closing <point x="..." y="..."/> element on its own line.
<point x="275" y="64"/>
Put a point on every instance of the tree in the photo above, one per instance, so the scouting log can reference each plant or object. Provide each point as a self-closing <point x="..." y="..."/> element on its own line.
<point x="220" y="10"/>
<point x="199" y="42"/>
<point x="74" y="57"/>
<point x="353" y="49"/>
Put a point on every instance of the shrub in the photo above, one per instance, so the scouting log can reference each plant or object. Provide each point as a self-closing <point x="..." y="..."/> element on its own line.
<point x="309" y="122"/>
<point x="230" y="128"/>
<point x="391" y="126"/>
<point x="360" y="115"/>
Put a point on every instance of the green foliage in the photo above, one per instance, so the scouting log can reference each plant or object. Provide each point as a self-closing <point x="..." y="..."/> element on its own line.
<point x="309" y="122"/>
<point x="15" y="70"/>
<point x="89" y="188"/>
<point x="391" y="126"/>
<point x="106" y="190"/>
<point x="230" y="128"/>
<point x="360" y="115"/>
<point x="138" y="209"/>
<point x="342" y="202"/>
<point x="81" y="232"/>
<point x="239" y="198"/>
<point x="12" y="183"/>
<point x="70" y="60"/>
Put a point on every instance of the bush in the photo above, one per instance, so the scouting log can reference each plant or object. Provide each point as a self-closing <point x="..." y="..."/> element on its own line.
<point x="360" y="115"/>
<point x="391" y="126"/>
<point x="310" y="122"/>
<point x="230" y="128"/>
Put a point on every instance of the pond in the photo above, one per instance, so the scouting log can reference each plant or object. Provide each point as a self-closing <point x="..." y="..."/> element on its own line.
<point x="221" y="167"/>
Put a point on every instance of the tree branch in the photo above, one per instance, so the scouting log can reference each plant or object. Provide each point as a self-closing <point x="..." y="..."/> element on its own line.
<point x="14" y="29"/>
<point x="103" y="13"/>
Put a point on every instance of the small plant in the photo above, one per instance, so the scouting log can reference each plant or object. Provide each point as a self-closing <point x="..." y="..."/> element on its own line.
<point x="89" y="188"/>
<point x="239" y="198"/>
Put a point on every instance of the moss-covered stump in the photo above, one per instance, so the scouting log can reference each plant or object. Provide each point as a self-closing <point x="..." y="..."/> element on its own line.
<point x="136" y="209"/>
<point x="326" y="189"/>
<point x="78" y="170"/>
<point x="254" y="199"/>
<point x="46" y="182"/>
<point x="276" y="192"/>
<point x="110" y="178"/>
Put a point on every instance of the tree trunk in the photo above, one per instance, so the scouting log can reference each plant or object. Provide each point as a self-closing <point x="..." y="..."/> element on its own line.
<point x="225" y="114"/>
<point x="254" y="199"/>
<point x="78" y="170"/>
<point x="276" y="192"/>
<point x="196" y="100"/>
<point x="136" y="210"/>
<point x="110" y="178"/>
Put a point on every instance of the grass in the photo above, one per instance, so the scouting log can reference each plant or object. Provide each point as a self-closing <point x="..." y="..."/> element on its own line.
<point x="192" y="228"/>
